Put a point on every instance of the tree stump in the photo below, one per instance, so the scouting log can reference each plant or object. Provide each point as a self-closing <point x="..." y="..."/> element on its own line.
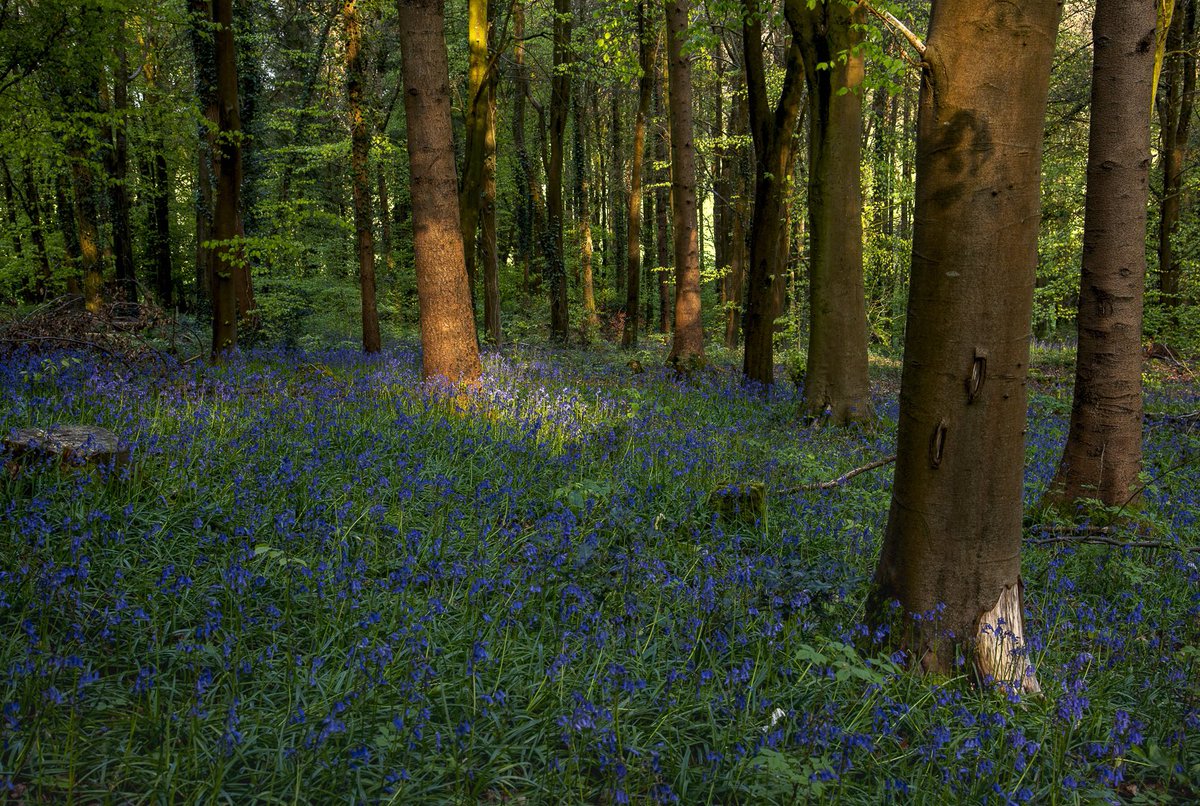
<point x="72" y="445"/>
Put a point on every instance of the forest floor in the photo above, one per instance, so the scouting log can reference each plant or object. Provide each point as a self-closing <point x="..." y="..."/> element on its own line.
<point x="316" y="581"/>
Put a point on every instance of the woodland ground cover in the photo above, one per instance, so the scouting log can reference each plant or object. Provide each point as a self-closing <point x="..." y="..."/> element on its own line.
<point x="317" y="582"/>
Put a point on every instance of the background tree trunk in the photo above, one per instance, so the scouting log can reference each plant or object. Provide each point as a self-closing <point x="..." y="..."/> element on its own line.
<point x="1103" y="454"/>
<point x="231" y="298"/>
<point x="449" y="349"/>
<point x="1175" y="101"/>
<point x="836" y="385"/>
<point x="487" y="221"/>
<point x="687" y="347"/>
<point x="662" y="207"/>
<point x="560" y="98"/>
<point x="647" y="55"/>
<point x="360" y="148"/>
<point x="952" y="550"/>
<point x="773" y="133"/>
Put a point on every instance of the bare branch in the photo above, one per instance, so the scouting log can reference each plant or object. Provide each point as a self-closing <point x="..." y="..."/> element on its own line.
<point x="842" y="479"/>
<point x="889" y="19"/>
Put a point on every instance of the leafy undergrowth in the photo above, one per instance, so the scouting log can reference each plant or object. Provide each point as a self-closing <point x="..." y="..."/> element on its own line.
<point x="317" y="582"/>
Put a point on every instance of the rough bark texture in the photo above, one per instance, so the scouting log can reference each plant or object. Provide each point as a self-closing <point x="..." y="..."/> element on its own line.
<point x="33" y="206"/>
<point x="1175" y="100"/>
<point x="687" y="346"/>
<point x="647" y="52"/>
<point x="447" y="327"/>
<point x="951" y="554"/>
<point x="360" y="148"/>
<point x="836" y="386"/>
<point x="560" y="98"/>
<point x="230" y="282"/>
<point x="87" y="230"/>
<point x="1103" y="454"/>
<point x="772" y="132"/>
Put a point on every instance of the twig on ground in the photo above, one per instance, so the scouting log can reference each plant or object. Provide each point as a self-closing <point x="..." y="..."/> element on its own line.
<point x="840" y="480"/>
<point x="1101" y="540"/>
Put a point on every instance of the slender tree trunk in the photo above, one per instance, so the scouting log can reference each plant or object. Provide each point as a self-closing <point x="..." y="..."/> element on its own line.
<point x="33" y="208"/>
<point x="206" y="95"/>
<point x="66" y="223"/>
<point x="10" y="209"/>
<point x="616" y="233"/>
<point x="951" y="552"/>
<point x="647" y="55"/>
<point x="87" y="229"/>
<point x="487" y="228"/>
<point x="118" y="171"/>
<point x="836" y="385"/>
<point x="739" y="217"/>
<point x="470" y="199"/>
<point x="773" y="135"/>
<point x="687" y="347"/>
<point x="1175" y="101"/>
<point x="1102" y="457"/>
<point x="527" y="202"/>
<point x="448" y="340"/>
<point x="385" y="222"/>
<point x="662" y="203"/>
<point x="583" y="191"/>
<point x="360" y="147"/>
<point x="232" y="297"/>
<point x="560" y="97"/>
<point x="305" y="104"/>
<point x="160" y="189"/>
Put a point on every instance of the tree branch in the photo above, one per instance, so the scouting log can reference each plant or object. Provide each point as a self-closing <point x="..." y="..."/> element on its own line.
<point x="840" y="480"/>
<point x="1097" y="537"/>
<point x="889" y="19"/>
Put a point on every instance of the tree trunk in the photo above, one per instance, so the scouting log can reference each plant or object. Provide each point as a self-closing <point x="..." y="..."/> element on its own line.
<point x="160" y="189"/>
<point x="614" y="237"/>
<point x="66" y="223"/>
<point x="206" y="94"/>
<point x="951" y="554"/>
<point x="560" y="98"/>
<point x="773" y="134"/>
<point x="1103" y="454"/>
<point x="1175" y="117"/>
<point x="470" y="198"/>
<point x="487" y="223"/>
<point x="687" y="346"/>
<point x="33" y="208"/>
<point x="360" y="147"/>
<point x="232" y="298"/>
<point x="117" y="161"/>
<point x="836" y="386"/>
<point x="583" y="191"/>
<point x="527" y="202"/>
<point x="87" y="229"/>
<point x="738" y="168"/>
<point x="447" y="326"/>
<point x="385" y="223"/>
<point x="647" y="53"/>
<point x="662" y="208"/>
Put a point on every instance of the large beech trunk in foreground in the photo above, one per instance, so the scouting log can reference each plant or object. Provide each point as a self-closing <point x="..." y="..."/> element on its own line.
<point x="1103" y="454"/>
<point x="951" y="554"/>
<point x="360" y="147"/>
<point x="836" y="386"/>
<point x="447" y="326"/>
<point x="772" y="130"/>
<point x="688" y="343"/>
